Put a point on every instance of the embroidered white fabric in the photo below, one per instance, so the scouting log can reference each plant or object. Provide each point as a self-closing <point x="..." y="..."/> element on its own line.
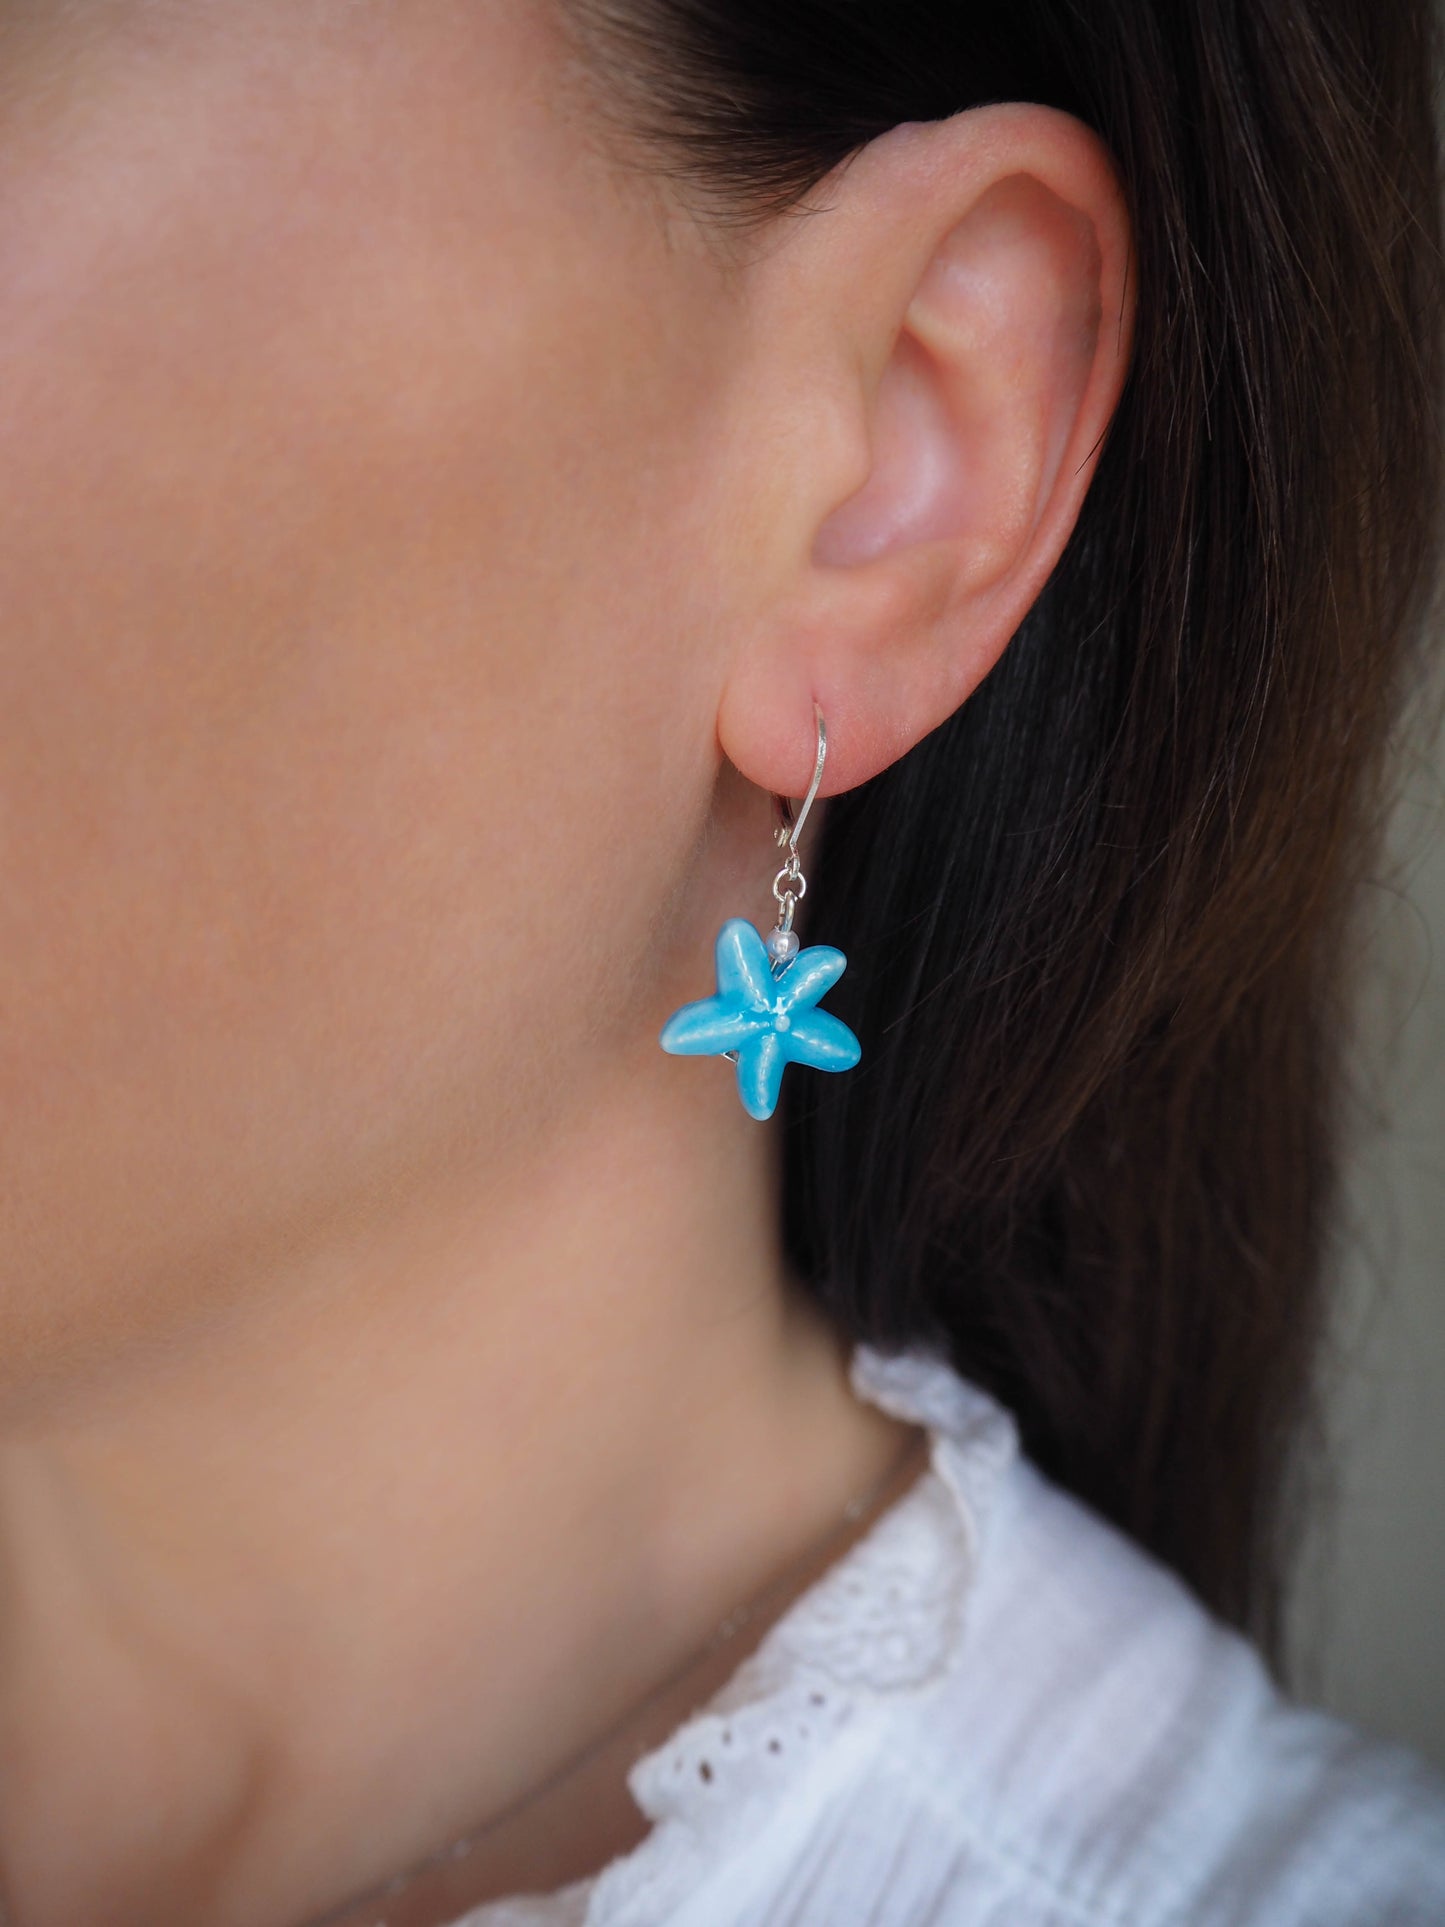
<point x="994" y="1710"/>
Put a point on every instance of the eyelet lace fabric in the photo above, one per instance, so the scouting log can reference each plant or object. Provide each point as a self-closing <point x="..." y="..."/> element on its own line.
<point x="885" y="1619"/>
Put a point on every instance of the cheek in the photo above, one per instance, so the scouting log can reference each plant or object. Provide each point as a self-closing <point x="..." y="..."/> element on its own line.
<point x="347" y="565"/>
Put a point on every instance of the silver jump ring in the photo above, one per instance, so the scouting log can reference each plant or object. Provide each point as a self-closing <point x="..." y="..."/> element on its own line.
<point x="798" y="882"/>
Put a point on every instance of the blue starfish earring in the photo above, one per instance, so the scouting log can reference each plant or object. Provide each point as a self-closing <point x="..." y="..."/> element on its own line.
<point x="764" y="1015"/>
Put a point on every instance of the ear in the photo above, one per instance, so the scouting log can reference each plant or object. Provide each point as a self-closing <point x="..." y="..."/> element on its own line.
<point x="938" y="352"/>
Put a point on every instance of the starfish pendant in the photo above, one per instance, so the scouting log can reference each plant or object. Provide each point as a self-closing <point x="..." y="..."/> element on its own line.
<point x="765" y="1022"/>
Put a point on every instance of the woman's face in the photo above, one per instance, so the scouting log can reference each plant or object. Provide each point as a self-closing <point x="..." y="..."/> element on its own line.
<point x="362" y="428"/>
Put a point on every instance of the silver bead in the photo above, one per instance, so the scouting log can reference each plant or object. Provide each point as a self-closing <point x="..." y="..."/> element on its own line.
<point x="782" y="945"/>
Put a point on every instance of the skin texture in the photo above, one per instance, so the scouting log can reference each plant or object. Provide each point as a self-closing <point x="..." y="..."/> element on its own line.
<point x="422" y="542"/>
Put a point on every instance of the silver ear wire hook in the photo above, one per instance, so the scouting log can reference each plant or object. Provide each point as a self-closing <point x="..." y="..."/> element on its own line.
<point x="789" y="831"/>
<point x="790" y="885"/>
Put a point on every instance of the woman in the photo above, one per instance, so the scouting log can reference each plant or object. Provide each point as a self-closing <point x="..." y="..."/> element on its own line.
<point x="455" y="453"/>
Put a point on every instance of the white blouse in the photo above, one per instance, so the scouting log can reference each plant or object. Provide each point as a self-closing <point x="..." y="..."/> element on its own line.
<point x="996" y="1710"/>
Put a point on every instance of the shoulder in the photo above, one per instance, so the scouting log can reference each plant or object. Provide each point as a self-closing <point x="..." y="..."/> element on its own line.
<point x="996" y="1710"/>
<point x="1103" y="1749"/>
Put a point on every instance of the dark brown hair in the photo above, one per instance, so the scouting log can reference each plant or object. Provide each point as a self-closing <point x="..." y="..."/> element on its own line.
<point x="1097" y="922"/>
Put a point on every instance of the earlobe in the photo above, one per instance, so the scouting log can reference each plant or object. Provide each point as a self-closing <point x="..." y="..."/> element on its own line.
<point x="983" y="293"/>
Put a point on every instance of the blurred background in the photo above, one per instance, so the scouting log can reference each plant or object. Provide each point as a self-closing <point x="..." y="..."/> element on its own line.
<point x="1368" y="1609"/>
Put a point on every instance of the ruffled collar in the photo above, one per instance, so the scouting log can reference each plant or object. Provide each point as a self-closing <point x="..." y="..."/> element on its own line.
<point x="885" y="1619"/>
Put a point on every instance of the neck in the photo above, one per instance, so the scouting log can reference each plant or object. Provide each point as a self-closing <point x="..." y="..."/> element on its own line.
<point x="362" y="1563"/>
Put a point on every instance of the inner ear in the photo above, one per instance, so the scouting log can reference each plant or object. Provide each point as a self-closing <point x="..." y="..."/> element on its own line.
<point x="977" y="403"/>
